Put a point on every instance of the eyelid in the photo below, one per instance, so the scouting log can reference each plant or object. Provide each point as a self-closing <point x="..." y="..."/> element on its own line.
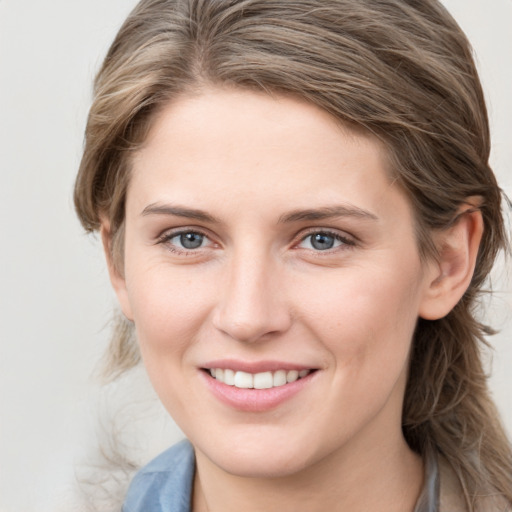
<point x="346" y="239"/>
<point x="167" y="235"/>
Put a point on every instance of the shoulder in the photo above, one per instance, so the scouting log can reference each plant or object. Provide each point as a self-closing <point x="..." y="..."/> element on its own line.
<point x="165" y="483"/>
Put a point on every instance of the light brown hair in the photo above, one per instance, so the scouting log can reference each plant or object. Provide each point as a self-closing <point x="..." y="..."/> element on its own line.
<point x="401" y="69"/>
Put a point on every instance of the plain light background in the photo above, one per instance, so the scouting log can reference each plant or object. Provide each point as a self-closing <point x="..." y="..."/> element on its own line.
<point x="55" y="299"/>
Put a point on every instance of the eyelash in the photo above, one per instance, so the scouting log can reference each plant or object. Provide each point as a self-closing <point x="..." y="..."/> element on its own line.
<point x="345" y="241"/>
<point x="166" y="238"/>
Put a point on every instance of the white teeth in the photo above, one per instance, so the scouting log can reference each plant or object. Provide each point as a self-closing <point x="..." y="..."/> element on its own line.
<point x="279" y="378"/>
<point x="229" y="377"/>
<point x="243" y="380"/>
<point x="263" y="380"/>
<point x="292" y="376"/>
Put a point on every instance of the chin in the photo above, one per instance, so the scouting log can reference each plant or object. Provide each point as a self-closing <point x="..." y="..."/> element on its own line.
<point x="261" y="465"/>
<point x="260" y="458"/>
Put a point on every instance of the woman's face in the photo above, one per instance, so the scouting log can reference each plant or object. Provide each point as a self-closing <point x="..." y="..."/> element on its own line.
<point x="266" y="244"/>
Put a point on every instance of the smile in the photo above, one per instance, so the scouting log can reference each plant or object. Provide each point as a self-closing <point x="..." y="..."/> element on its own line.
<point x="262" y="380"/>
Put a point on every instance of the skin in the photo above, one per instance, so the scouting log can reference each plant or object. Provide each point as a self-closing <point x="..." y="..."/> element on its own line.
<point x="258" y="290"/>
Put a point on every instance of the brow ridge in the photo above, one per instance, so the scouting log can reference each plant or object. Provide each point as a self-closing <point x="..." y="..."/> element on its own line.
<point x="178" y="211"/>
<point x="327" y="212"/>
<point x="312" y="214"/>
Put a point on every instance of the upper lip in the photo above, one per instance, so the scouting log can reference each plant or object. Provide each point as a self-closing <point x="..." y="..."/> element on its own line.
<point x="255" y="366"/>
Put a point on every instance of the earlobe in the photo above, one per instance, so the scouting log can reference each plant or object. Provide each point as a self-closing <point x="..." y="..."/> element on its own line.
<point x="450" y="275"/>
<point x="117" y="277"/>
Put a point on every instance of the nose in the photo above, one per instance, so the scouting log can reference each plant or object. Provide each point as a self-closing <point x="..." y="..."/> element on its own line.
<point x="252" y="305"/>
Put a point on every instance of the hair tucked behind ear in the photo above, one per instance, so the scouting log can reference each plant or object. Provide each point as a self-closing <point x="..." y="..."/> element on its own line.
<point x="401" y="69"/>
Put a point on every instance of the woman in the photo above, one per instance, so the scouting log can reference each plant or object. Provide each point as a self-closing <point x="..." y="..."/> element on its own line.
<point x="298" y="216"/>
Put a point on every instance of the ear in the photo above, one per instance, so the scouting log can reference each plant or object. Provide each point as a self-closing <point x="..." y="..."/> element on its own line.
<point x="115" y="270"/>
<point x="450" y="274"/>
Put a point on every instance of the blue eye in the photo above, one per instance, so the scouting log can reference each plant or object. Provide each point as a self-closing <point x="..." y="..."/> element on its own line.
<point x="188" y="240"/>
<point x="323" y="241"/>
<point x="191" y="240"/>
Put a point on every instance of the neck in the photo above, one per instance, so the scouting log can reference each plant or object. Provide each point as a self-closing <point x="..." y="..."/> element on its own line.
<point x="388" y="478"/>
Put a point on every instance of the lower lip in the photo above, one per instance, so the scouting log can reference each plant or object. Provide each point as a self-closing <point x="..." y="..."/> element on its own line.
<point x="255" y="400"/>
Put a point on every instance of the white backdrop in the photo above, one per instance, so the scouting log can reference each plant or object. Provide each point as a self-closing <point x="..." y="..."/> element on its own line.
<point x="55" y="300"/>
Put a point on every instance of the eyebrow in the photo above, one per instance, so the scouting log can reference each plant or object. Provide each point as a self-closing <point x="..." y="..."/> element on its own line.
<point x="178" y="211"/>
<point x="328" y="212"/>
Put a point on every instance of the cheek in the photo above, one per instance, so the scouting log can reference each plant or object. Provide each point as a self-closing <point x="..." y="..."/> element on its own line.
<point x="366" y="320"/>
<point x="169" y="312"/>
<point x="169" y="308"/>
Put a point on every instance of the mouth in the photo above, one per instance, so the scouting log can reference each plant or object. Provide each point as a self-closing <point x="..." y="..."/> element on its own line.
<point x="261" y="380"/>
<point x="256" y="386"/>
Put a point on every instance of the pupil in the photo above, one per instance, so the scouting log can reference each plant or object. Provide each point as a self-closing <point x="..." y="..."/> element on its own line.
<point x="191" y="240"/>
<point x="321" y="241"/>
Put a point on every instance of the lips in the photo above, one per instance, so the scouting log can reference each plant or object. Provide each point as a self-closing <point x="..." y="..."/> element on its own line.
<point x="255" y="387"/>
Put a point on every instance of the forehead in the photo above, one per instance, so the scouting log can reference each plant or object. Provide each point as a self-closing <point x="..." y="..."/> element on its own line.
<point x="255" y="146"/>
<point x="228" y="105"/>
